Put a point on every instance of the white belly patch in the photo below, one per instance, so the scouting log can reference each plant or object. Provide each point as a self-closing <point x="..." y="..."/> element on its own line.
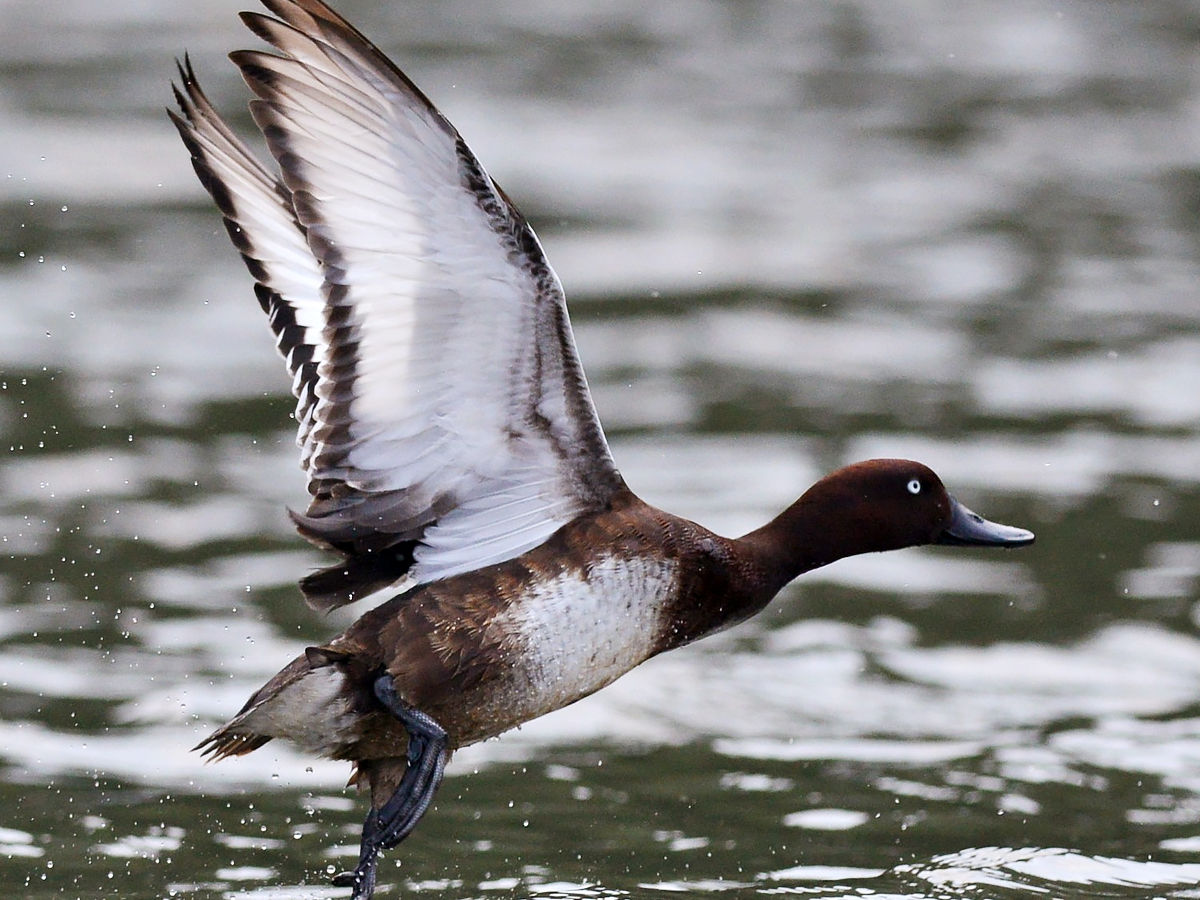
<point x="581" y="632"/>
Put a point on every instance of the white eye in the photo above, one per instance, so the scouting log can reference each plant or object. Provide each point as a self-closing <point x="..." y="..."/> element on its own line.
<point x="914" y="486"/>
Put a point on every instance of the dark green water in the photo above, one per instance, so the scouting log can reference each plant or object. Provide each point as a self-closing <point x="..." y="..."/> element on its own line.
<point x="793" y="235"/>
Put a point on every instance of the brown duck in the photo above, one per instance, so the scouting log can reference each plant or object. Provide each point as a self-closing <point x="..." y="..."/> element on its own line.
<point x="452" y="450"/>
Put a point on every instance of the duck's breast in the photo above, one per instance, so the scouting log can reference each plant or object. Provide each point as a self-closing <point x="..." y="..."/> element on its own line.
<point x="571" y="634"/>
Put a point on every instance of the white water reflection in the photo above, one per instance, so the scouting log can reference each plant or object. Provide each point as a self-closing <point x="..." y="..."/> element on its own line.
<point x="1047" y="870"/>
<point x="1141" y="386"/>
<point x="820" y="873"/>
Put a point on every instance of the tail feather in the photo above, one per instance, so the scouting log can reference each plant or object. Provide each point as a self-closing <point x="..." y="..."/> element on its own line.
<point x="308" y="702"/>
<point x="224" y="742"/>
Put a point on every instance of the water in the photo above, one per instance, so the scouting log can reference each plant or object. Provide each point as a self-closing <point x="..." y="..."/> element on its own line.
<point x="793" y="235"/>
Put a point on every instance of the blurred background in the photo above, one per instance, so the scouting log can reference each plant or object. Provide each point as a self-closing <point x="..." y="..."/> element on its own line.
<point x="793" y="235"/>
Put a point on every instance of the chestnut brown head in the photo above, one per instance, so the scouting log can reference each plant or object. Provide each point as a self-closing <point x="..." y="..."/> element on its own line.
<point x="886" y="504"/>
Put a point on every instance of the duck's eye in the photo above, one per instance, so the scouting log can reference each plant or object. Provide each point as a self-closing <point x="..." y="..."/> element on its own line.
<point x="914" y="486"/>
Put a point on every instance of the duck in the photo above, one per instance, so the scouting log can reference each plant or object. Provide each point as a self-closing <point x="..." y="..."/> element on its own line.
<point x="454" y="459"/>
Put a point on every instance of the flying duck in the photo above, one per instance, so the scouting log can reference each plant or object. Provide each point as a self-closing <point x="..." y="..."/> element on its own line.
<point x="452" y="450"/>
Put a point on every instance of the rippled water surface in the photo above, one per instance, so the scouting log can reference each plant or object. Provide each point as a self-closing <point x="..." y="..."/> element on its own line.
<point x="794" y="234"/>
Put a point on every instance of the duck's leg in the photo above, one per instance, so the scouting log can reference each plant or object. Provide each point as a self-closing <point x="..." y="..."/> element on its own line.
<point x="388" y="825"/>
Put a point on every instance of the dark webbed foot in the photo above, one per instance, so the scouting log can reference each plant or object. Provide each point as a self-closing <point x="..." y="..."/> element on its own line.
<point x="391" y="823"/>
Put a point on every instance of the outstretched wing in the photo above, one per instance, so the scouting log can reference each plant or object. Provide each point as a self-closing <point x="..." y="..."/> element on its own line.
<point x="262" y="224"/>
<point x="445" y="422"/>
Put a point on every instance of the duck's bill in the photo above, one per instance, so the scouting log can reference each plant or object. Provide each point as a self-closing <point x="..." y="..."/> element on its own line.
<point x="971" y="529"/>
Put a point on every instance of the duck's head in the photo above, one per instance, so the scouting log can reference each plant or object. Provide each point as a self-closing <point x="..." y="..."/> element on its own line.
<point x="886" y="504"/>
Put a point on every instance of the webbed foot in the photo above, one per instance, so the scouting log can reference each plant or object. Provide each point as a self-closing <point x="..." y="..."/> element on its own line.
<point x="391" y="823"/>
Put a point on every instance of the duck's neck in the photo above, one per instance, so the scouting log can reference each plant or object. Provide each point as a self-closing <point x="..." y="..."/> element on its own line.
<point x="794" y="542"/>
<point x="738" y="577"/>
<point x="753" y="569"/>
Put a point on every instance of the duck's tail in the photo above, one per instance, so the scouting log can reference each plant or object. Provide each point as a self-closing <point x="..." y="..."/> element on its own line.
<point x="226" y="741"/>
<point x="309" y="702"/>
